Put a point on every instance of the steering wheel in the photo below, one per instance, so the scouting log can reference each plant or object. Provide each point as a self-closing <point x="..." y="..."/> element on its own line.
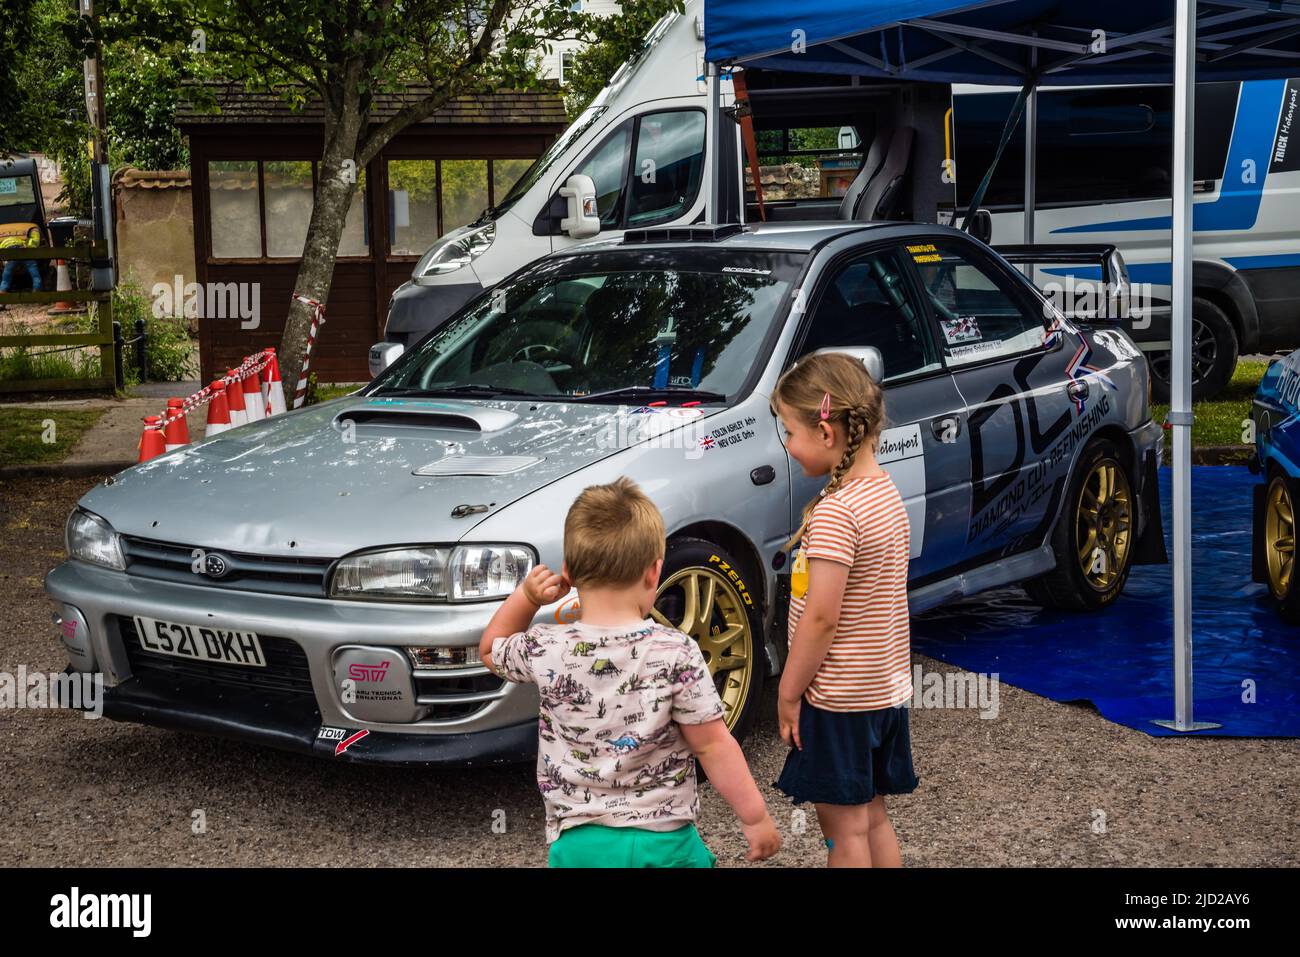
<point x="527" y="353"/>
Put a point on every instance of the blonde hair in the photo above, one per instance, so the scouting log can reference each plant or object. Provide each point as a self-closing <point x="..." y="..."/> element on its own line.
<point x="856" y="401"/>
<point x="612" y="534"/>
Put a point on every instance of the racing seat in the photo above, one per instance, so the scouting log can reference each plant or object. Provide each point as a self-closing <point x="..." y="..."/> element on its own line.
<point x="836" y="323"/>
<point x="870" y="166"/>
<point x="881" y="197"/>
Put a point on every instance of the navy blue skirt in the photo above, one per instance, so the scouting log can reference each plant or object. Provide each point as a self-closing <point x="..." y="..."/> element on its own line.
<point x="849" y="757"/>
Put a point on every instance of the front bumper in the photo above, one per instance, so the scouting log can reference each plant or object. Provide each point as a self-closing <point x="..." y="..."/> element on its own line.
<point x="287" y="708"/>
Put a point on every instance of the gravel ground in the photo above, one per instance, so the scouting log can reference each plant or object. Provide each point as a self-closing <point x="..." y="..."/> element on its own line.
<point x="1044" y="784"/>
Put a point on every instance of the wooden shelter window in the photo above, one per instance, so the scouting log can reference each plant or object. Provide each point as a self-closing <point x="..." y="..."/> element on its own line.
<point x="260" y="209"/>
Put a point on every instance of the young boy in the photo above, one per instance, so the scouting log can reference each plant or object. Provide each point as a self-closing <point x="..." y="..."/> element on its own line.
<point x="627" y="704"/>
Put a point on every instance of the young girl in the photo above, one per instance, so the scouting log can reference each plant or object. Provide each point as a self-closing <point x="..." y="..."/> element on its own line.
<point x="849" y="671"/>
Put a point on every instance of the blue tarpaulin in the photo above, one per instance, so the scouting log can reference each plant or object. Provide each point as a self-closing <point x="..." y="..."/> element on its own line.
<point x="1120" y="659"/>
<point x="1074" y="42"/>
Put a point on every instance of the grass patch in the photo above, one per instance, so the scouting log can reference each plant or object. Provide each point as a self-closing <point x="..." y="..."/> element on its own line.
<point x="24" y="433"/>
<point x="1220" y="421"/>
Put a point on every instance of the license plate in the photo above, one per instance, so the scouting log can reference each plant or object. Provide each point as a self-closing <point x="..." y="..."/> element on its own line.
<point x="200" y="643"/>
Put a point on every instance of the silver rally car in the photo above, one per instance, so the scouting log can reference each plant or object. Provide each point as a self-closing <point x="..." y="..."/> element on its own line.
<point x="318" y="581"/>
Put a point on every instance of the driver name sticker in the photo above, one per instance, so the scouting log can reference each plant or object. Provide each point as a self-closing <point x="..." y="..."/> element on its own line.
<point x="730" y="434"/>
<point x="961" y="329"/>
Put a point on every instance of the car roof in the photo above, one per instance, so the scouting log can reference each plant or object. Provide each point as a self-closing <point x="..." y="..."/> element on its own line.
<point x="755" y="237"/>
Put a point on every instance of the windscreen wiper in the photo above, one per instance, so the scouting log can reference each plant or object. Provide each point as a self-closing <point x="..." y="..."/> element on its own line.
<point x="643" y="392"/>
<point x="474" y="388"/>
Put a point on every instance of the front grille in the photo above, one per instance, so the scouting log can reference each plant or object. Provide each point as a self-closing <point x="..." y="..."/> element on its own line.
<point x="286" y="674"/>
<point x="442" y="691"/>
<point x="167" y="561"/>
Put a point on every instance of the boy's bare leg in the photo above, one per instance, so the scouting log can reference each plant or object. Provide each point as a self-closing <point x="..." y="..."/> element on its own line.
<point x="884" y="843"/>
<point x="847" y="826"/>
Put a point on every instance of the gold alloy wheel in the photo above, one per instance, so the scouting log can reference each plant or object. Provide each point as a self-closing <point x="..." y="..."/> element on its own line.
<point x="1279" y="537"/>
<point x="1104" y="520"/>
<point x="704" y="605"/>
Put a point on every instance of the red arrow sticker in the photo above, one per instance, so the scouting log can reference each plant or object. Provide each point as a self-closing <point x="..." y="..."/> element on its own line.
<point x="349" y="741"/>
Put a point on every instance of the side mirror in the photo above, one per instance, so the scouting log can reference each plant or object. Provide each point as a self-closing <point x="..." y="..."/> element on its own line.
<point x="981" y="226"/>
<point x="869" y="356"/>
<point x="1119" y="304"/>
<point x="383" y="355"/>
<point x="582" y="221"/>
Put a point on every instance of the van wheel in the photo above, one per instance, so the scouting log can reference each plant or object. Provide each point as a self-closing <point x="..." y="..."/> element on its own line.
<point x="1214" y="354"/>
<point x="1094" y="536"/>
<point x="1277" y="539"/>
<point x="703" y="592"/>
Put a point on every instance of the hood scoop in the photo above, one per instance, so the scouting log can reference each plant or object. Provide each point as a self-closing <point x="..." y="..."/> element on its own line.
<point x="419" y="416"/>
<point x="479" y="465"/>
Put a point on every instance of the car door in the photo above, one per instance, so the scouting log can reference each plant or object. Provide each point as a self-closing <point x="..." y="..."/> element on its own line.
<point x="1023" y="380"/>
<point x="870" y="299"/>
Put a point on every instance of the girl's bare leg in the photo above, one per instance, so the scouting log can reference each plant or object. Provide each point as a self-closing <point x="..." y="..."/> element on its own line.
<point x="847" y="827"/>
<point x="883" y="841"/>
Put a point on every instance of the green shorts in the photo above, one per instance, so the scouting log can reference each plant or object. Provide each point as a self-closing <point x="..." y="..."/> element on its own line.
<point x="598" y="845"/>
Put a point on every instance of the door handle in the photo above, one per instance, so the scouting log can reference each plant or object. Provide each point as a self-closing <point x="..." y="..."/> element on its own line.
<point x="1077" y="389"/>
<point x="946" y="428"/>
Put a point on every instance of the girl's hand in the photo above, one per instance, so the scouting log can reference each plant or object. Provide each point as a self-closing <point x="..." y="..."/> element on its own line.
<point x="787" y="716"/>
<point x="543" y="586"/>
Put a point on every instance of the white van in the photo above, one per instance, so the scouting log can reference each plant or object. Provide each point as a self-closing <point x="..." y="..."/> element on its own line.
<point x="1103" y="175"/>
<point x="649" y="147"/>
<point x="840" y="147"/>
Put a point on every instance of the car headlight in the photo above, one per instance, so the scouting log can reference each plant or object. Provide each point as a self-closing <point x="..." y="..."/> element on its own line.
<point x="433" y="573"/>
<point x="458" y="248"/>
<point x="91" y="539"/>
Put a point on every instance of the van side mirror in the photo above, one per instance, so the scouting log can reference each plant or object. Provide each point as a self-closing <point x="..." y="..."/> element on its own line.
<point x="583" y="220"/>
<point x="981" y="226"/>
<point x="384" y="354"/>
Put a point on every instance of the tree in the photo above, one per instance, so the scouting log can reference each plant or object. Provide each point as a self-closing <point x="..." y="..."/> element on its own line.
<point x="614" y="41"/>
<point x="43" y="106"/>
<point x="346" y="53"/>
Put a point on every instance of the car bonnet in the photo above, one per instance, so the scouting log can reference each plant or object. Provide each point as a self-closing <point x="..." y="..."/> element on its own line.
<point x="363" y="472"/>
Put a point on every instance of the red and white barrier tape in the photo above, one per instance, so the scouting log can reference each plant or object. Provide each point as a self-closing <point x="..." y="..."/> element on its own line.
<point x="317" y="320"/>
<point x="254" y="363"/>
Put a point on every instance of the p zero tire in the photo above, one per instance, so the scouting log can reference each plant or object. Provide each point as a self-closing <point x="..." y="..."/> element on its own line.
<point x="1214" y="354"/>
<point x="705" y="591"/>
<point x="1277" y="539"/>
<point x="1094" y="536"/>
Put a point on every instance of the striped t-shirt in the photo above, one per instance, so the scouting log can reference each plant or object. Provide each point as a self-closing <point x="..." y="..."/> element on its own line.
<point x="863" y="524"/>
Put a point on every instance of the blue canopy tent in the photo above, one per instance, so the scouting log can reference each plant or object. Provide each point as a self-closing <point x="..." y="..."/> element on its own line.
<point x="1033" y="43"/>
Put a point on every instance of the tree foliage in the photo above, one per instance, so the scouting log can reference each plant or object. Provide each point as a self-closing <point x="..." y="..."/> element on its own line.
<point x="614" y="40"/>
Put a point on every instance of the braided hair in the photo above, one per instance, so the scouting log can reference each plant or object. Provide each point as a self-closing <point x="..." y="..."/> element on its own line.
<point x="833" y="387"/>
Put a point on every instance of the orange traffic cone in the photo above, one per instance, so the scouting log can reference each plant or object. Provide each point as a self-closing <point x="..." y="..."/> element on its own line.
<point x="274" y="387"/>
<point x="177" y="431"/>
<point x="235" y="399"/>
<point x="63" y="283"/>
<point x="254" y="408"/>
<point x="151" y="442"/>
<point x="218" y="412"/>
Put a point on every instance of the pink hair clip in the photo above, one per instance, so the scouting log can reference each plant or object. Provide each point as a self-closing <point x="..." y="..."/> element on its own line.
<point x="826" y="406"/>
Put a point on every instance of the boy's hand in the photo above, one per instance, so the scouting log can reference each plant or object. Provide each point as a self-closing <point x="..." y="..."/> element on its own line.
<point x="543" y="586"/>
<point x="763" y="838"/>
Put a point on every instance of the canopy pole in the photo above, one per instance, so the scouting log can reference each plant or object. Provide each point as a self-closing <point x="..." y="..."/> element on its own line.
<point x="714" y="124"/>
<point x="1031" y="156"/>
<point x="1180" y="362"/>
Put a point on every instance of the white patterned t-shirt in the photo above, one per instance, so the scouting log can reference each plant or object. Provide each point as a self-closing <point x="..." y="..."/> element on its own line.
<point x="609" y="747"/>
